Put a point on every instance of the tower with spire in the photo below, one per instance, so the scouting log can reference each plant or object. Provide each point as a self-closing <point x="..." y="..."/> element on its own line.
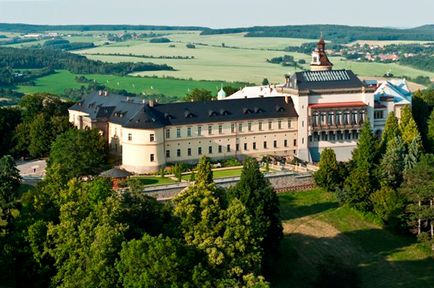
<point x="320" y="61"/>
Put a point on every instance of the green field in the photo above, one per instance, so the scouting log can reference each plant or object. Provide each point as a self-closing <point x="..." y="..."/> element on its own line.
<point x="315" y="228"/>
<point x="58" y="82"/>
<point x="246" y="62"/>
<point x="153" y="181"/>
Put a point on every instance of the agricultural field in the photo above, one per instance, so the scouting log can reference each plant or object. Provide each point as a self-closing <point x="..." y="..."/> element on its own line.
<point x="316" y="228"/>
<point x="242" y="58"/>
<point x="58" y="82"/>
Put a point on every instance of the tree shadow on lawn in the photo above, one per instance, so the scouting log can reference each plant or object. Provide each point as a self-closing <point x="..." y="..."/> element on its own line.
<point x="290" y="210"/>
<point x="363" y="252"/>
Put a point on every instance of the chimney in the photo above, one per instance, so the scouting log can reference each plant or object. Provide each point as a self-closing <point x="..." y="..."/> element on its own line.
<point x="286" y="99"/>
<point x="151" y="103"/>
<point x="287" y="76"/>
<point x="106" y="93"/>
<point x="100" y="93"/>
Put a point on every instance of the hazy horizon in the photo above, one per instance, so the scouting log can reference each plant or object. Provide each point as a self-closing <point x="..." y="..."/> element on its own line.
<point x="221" y="14"/>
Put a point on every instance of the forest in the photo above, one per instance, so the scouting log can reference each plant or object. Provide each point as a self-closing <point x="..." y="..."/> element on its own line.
<point x="334" y="33"/>
<point x="28" y="58"/>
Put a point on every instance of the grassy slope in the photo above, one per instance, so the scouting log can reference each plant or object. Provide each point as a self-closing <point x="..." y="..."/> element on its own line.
<point x="316" y="227"/>
<point x="56" y="83"/>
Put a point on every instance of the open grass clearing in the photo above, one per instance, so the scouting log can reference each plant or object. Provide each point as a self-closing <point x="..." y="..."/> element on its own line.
<point x="316" y="227"/>
<point x="58" y="82"/>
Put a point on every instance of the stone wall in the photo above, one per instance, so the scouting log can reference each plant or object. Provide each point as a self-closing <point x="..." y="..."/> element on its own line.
<point x="281" y="181"/>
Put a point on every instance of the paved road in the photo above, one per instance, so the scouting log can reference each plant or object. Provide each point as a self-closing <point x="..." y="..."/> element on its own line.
<point x="32" y="171"/>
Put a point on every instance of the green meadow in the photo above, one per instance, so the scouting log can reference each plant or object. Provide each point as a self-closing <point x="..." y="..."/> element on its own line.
<point x="317" y="228"/>
<point x="61" y="80"/>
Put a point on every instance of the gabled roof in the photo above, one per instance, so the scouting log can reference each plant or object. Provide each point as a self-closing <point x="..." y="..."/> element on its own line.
<point x="324" y="80"/>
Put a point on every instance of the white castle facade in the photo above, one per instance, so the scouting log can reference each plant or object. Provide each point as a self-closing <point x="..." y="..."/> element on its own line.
<point x="311" y="111"/>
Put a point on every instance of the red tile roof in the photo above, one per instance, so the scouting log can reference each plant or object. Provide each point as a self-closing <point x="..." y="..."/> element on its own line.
<point x="338" y="104"/>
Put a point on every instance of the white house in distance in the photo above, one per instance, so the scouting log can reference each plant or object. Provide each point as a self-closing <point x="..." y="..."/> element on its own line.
<point x="333" y="104"/>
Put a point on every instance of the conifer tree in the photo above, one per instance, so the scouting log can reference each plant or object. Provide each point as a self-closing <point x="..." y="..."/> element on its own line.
<point x="391" y="130"/>
<point x="392" y="164"/>
<point x="327" y="176"/>
<point x="261" y="201"/>
<point x="430" y="133"/>
<point x="405" y="118"/>
<point x="413" y="154"/>
<point x="361" y="182"/>
<point x="411" y="133"/>
<point x="365" y="154"/>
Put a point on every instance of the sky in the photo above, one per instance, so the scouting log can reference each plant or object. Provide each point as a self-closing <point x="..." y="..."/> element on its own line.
<point x="220" y="13"/>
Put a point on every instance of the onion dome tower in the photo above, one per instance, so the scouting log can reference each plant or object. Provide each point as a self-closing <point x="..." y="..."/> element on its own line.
<point x="221" y="94"/>
<point x="320" y="61"/>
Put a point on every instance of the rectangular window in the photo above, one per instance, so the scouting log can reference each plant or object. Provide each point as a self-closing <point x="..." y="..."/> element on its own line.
<point x="275" y="144"/>
<point x="209" y="129"/>
<point x="168" y="133"/>
<point x="178" y="152"/>
<point x="245" y="146"/>
<point x="152" y="137"/>
<point x="279" y="124"/>
<point x="199" y="150"/>
<point x="378" y="114"/>
<point x="220" y="149"/>
<point x="254" y="145"/>
<point x="178" y="132"/>
<point x="189" y="132"/>
<point x="199" y="130"/>
<point x="232" y="128"/>
<point x="220" y="129"/>
<point x="270" y="125"/>
<point x="237" y="147"/>
<point x="260" y="125"/>
<point x="209" y="149"/>
<point x="152" y="157"/>
<point x="130" y="137"/>
<point x="295" y="142"/>
<point x="265" y="144"/>
<point x="167" y="153"/>
<point x="249" y="126"/>
<point x="240" y="127"/>
<point x="285" y="143"/>
<point x="189" y="151"/>
<point x="289" y="123"/>
<point x="228" y="148"/>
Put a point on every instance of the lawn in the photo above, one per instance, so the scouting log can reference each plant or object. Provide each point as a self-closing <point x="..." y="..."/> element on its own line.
<point x="315" y="228"/>
<point x="153" y="181"/>
<point x="58" y="82"/>
<point x="220" y="174"/>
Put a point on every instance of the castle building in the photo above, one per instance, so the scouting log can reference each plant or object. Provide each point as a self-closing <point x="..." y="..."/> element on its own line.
<point x="149" y="135"/>
<point x="310" y="111"/>
<point x="333" y="104"/>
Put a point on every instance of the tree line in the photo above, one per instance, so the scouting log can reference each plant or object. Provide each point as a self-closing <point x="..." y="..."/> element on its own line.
<point x="334" y="33"/>
<point x="391" y="177"/>
<point x="68" y="232"/>
<point x="28" y="58"/>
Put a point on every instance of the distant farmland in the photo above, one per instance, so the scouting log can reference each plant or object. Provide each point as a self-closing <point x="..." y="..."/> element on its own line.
<point x="58" y="82"/>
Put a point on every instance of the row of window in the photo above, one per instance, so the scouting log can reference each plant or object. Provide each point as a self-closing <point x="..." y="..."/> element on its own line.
<point x="338" y="118"/>
<point x="233" y="127"/>
<point x="331" y="136"/>
<point x="228" y="148"/>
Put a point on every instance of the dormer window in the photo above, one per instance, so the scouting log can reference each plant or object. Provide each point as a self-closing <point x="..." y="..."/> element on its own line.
<point x="212" y="113"/>
<point x="247" y="111"/>
<point x="280" y="109"/>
